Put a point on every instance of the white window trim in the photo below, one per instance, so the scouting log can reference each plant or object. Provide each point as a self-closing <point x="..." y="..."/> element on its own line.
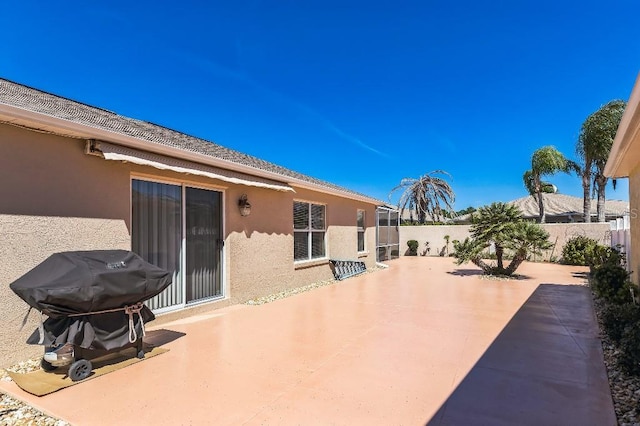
<point x="311" y="260"/>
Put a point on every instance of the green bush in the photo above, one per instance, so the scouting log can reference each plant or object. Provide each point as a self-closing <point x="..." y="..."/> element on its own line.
<point x="616" y="318"/>
<point x="611" y="282"/>
<point x="629" y="356"/>
<point x="576" y="251"/>
<point x="602" y="256"/>
<point x="413" y="248"/>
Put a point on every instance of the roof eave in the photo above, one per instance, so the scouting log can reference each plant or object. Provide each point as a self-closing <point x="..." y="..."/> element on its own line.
<point x="619" y="165"/>
<point x="39" y="121"/>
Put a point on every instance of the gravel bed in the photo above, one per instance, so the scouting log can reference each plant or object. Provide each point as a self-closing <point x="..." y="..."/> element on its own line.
<point x="17" y="413"/>
<point x="514" y="277"/>
<point x="625" y="389"/>
<point x="287" y="293"/>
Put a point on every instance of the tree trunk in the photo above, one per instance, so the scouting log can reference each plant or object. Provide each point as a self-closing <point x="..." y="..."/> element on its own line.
<point x="541" y="207"/>
<point x="482" y="265"/>
<point x="499" y="254"/>
<point x="601" y="185"/>
<point x="422" y="213"/>
<point x="517" y="261"/>
<point x="586" y="194"/>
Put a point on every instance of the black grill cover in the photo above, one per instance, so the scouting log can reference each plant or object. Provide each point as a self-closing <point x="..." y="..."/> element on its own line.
<point x="89" y="281"/>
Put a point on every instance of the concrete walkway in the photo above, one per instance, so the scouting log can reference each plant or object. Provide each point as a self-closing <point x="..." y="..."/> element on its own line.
<point x="423" y="342"/>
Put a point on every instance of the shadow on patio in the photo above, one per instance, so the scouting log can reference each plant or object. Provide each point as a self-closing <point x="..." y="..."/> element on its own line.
<point x="544" y="368"/>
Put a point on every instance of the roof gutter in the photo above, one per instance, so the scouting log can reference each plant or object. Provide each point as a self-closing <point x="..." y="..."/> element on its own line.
<point x="626" y="134"/>
<point x="70" y="127"/>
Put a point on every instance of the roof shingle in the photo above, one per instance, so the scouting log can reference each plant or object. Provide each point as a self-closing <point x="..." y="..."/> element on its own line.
<point x="34" y="100"/>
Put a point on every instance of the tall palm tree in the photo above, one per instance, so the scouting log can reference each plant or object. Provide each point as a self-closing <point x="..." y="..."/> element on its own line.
<point x="429" y="195"/>
<point x="594" y="145"/>
<point x="544" y="162"/>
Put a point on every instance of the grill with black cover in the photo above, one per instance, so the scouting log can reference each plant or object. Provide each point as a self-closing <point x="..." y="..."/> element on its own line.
<point x="93" y="299"/>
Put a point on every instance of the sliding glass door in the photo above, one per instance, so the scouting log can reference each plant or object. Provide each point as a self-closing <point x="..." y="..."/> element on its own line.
<point x="179" y="228"/>
<point x="204" y="244"/>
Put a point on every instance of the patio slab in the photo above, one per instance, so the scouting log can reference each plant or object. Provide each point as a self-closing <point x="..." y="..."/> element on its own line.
<point x="418" y="343"/>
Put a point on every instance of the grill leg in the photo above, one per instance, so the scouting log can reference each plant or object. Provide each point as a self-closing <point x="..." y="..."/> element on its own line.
<point x="139" y="348"/>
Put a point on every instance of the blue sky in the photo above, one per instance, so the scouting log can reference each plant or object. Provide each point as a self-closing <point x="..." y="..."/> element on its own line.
<point x="359" y="93"/>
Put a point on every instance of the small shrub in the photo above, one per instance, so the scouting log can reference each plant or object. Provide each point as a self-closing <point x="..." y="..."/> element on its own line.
<point x="629" y="356"/>
<point x="413" y="247"/>
<point x="601" y="256"/>
<point x="612" y="283"/>
<point x="577" y="249"/>
<point x="616" y="318"/>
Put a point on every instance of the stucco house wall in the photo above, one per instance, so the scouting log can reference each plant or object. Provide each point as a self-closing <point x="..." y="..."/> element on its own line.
<point x="55" y="197"/>
<point x="634" y="203"/>
<point x="624" y="161"/>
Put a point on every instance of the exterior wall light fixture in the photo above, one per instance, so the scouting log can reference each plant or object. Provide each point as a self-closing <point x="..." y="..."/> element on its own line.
<point x="244" y="205"/>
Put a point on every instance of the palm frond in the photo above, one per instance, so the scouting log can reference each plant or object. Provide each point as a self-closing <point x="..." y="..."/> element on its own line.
<point x="430" y="195"/>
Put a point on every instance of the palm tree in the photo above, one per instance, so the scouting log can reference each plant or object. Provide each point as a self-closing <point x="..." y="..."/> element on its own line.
<point x="527" y="238"/>
<point x="544" y="162"/>
<point x="502" y="225"/>
<point x="494" y="224"/>
<point x="429" y="195"/>
<point x="594" y="144"/>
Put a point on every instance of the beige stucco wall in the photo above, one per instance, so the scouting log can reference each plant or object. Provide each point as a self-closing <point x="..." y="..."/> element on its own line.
<point x="559" y="234"/>
<point x="341" y="222"/>
<point x="28" y="240"/>
<point x="45" y="175"/>
<point x="634" y="205"/>
<point x="434" y="234"/>
<point x="54" y="197"/>
<point x="46" y="207"/>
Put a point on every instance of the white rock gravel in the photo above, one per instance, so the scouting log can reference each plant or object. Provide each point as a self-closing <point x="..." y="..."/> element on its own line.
<point x="297" y="290"/>
<point x="17" y="413"/>
<point x="625" y="389"/>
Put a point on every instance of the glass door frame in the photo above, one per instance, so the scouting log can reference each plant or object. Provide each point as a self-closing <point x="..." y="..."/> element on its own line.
<point x="183" y="184"/>
<point x="388" y="245"/>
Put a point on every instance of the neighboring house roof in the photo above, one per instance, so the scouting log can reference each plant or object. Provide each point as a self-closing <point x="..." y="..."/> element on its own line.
<point x="28" y="107"/>
<point x="561" y="205"/>
<point x="567" y="205"/>
<point x="625" y="151"/>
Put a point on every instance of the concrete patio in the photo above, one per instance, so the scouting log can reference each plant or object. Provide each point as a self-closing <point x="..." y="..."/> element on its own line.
<point x="422" y="342"/>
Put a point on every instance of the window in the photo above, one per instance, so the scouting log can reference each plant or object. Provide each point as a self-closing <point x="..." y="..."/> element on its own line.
<point x="308" y="231"/>
<point x="360" y="226"/>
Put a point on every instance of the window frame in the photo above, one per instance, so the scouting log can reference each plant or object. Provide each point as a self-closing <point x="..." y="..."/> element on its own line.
<point x="310" y="231"/>
<point x="361" y="229"/>
<point x="185" y="183"/>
